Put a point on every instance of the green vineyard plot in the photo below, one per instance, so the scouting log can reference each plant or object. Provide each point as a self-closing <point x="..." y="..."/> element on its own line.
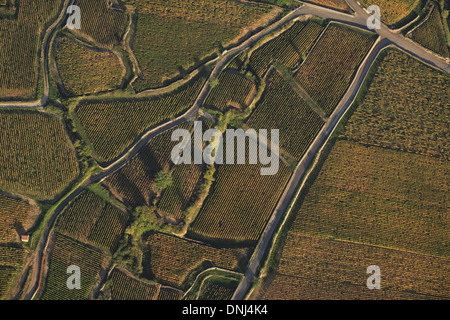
<point x="328" y="70"/>
<point x="89" y="260"/>
<point x="36" y="158"/>
<point x="173" y="35"/>
<point x="11" y="262"/>
<point x="19" y="43"/>
<point x="90" y="219"/>
<point x="15" y="215"/>
<point x="124" y="287"/>
<point x="431" y="33"/>
<point x="173" y="258"/>
<point x="401" y="109"/>
<point x="238" y="208"/>
<point x="288" y="49"/>
<point x="283" y="109"/>
<point x="113" y="125"/>
<point x="233" y="90"/>
<point x="103" y="24"/>
<point x="102" y="71"/>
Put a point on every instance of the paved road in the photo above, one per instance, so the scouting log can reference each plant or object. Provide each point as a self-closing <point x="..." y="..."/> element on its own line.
<point x="143" y="140"/>
<point x="386" y="38"/>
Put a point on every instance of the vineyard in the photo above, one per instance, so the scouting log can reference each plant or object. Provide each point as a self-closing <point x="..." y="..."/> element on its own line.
<point x="14" y="214"/>
<point x="101" y="71"/>
<point x="90" y="263"/>
<point x="176" y="197"/>
<point x="329" y="68"/>
<point x="389" y="207"/>
<point x="19" y="43"/>
<point x="401" y="109"/>
<point x="431" y="34"/>
<point x="193" y="29"/>
<point x="90" y="219"/>
<point x="125" y="287"/>
<point x="218" y="288"/>
<point x="240" y="203"/>
<point x="281" y="108"/>
<point x="287" y="49"/>
<point x="100" y="23"/>
<point x="238" y="61"/>
<point x="113" y="125"/>
<point x="380" y="197"/>
<point x="335" y="4"/>
<point x="173" y="258"/>
<point x="36" y="157"/>
<point x="393" y="11"/>
<point x="169" y="294"/>
<point x="133" y="183"/>
<point x="11" y="261"/>
<point x="330" y="269"/>
<point x="233" y="90"/>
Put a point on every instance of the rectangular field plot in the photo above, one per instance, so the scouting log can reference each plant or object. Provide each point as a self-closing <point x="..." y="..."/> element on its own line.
<point x="233" y="90"/>
<point x="380" y="197"/>
<point x="90" y="219"/>
<point x="101" y="70"/>
<point x="283" y="109"/>
<point x="317" y="268"/>
<point x="37" y="158"/>
<point x="402" y="110"/>
<point x="67" y="252"/>
<point x="11" y="262"/>
<point x="240" y="203"/>
<point x="329" y="69"/>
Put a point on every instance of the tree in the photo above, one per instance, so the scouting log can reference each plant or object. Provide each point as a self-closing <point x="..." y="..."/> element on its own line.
<point x="214" y="83"/>
<point x="162" y="180"/>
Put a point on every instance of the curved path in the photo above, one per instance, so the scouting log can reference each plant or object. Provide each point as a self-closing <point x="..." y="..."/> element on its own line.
<point x="387" y="37"/>
<point x="44" y="63"/>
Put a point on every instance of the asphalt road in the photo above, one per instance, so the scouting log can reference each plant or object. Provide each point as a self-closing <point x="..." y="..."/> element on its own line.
<point x="387" y="37"/>
<point x="141" y="142"/>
